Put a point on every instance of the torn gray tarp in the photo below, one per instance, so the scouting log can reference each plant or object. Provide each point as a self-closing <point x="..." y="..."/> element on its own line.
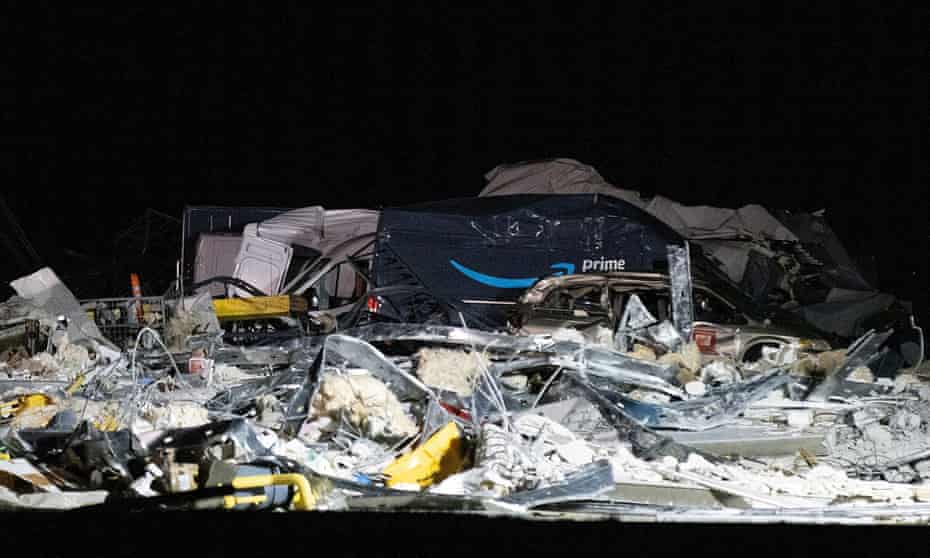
<point x="860" y="354"/>
<point x="718" y="407"/>
<point x="727" y="236"/>
<point x="842" y="312"/>
<point x="551" y="176"/>
<point x="679" y="271"/>
<point x="46" y="291"/>
<point x="813" y="230"/>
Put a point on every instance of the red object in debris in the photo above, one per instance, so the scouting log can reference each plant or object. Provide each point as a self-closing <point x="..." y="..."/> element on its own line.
<point x="196" y="365"/>
<point x="456" y="411"/>
<point x="373" y="304"/>
<point x="706" y="340"/>
<point x="137" y="293"/>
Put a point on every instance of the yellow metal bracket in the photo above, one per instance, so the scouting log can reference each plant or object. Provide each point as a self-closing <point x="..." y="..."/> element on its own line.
<point x="258" y="307"/>
<point x="303" y="499"/>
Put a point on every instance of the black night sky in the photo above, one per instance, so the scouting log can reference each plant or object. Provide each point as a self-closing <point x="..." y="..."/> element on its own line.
<point x="107" y="113"/>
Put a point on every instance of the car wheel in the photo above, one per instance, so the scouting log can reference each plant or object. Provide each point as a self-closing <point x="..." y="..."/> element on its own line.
<point x="754" y="353"/>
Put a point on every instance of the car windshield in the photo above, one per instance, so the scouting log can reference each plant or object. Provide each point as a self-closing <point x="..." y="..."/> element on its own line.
<point x="705" y="270"/>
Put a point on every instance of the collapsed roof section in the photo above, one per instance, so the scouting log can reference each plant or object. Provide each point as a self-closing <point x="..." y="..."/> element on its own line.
<point x="792" y="259"/>
<point x="567" y="176"/>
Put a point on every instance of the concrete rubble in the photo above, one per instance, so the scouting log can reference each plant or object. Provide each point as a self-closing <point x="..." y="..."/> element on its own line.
<point x="639" y="422"/>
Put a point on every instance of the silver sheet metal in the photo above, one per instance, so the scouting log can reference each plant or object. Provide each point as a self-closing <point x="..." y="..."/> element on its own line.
<point x="587" y="483"/>
<point x="679" y="266"/>
<point x="861" y="353"/>
<point x="720" y="406"/>
<point x="616" y="367"/>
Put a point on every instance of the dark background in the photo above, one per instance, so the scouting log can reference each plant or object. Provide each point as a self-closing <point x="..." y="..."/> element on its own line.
<point x="108" y="113"/>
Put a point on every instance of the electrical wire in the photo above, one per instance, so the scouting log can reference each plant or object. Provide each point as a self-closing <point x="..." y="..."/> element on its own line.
<point x="545" y="387"/>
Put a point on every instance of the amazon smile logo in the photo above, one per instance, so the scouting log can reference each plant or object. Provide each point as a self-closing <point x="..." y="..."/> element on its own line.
<point x="509" y="283"/>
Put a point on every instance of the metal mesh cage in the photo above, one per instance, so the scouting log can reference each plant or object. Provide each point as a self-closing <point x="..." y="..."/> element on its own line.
<point x="120" y="319"/>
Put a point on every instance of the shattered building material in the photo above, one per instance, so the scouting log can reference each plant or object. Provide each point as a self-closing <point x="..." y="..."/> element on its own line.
<point x="884" y="441"/>
<point x="46" y="292"/>
<point x="860" y="354"/>
<point x="717" y="407"/>
<point x="753" y="440"/>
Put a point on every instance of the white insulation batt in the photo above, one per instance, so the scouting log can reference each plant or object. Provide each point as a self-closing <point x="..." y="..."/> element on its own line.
<point x="451" y="370"/>
<point x="366" y="402"/>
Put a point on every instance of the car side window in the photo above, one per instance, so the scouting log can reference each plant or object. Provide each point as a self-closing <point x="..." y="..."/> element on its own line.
<point x="710" y="308"/>
<point x="340" y="286"/>
<point x="569" y="300"/>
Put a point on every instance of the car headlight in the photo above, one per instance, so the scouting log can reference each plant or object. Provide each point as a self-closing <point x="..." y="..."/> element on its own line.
<point x="814" y="345"/>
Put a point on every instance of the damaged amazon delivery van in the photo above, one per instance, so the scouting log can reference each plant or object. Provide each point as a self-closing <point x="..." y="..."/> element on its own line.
<point x="470" y="259"/>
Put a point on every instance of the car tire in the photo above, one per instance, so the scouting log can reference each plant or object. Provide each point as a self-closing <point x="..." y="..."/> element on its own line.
<point x="754" y="352"/>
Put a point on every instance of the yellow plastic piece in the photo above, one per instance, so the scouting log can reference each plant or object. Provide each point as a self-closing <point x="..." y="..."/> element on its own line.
<point x="75" y="385"/>
<point x="4" y="456"/>
<point x="440" y="457"/>
<point x="107" y="424"/>
<point x="303" y="500"/>
<point x="252" y="308"/>
<point x="24" y="403"/>
<point x="233" y="501"/>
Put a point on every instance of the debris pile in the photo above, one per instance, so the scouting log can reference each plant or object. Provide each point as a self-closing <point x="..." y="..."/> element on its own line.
<point x="621" y="413"/>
